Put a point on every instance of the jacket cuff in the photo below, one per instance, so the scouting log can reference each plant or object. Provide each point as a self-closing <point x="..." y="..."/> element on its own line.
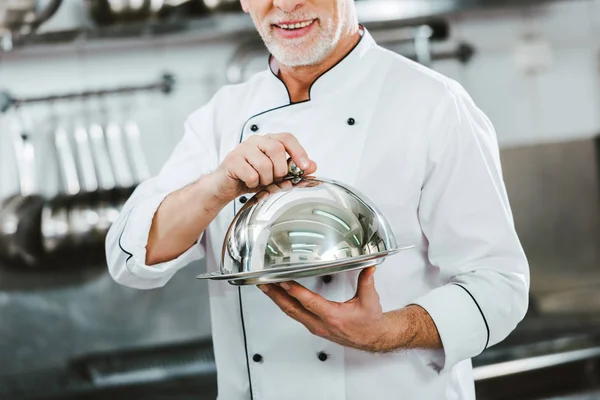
<point x="459" y="320"/>
<point x="134" y="239"/>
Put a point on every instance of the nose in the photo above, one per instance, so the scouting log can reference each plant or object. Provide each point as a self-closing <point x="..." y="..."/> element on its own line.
<point x="288" y="5"/>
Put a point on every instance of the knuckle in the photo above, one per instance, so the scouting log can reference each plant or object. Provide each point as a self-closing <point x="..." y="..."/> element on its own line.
<point x="274" y="147"/>
<point x="322" y="332"/>
<point x="291" y="312"/>
<point x="319" y="331"/>
<point x="286" y="136"/>
<point x="311" y="305"/>
<point x="335" y="323"/>
<point x="253" y="180"/>
<point x="264" y="165"/>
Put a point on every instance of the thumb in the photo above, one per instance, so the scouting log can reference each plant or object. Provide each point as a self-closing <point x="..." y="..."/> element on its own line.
<point x="365" y="290"/>
<point x="312" y="168"/>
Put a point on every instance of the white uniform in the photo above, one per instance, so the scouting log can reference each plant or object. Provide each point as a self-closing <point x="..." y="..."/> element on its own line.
<point x="416" y="145"/>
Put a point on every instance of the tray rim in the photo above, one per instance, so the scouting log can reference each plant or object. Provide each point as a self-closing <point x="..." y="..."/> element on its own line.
<point x="289" y="276"/>
<point x="216" y="275"/>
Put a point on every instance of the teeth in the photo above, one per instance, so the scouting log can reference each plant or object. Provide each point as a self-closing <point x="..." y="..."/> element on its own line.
<point x="296" y="26"/>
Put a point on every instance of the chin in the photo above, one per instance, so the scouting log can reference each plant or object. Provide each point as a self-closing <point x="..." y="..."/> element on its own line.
<point x="291" y="57"/>
<point x="296" y="62"/>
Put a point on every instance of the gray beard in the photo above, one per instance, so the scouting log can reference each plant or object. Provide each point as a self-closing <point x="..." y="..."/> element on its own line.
<point x="296" y="54"/>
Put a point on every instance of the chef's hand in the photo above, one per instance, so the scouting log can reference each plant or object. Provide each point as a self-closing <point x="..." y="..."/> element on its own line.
<point x="359" y="322"/>
<point x="257" y="162"/>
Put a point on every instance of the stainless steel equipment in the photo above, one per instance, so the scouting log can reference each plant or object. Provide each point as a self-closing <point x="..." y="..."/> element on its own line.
<point x="300" y="227"/>
<point x="118" y="155"/>
<point x="19" y="215"/>
<point x="110" y="11"/>
<point x="55" y="221"/>
<point x="105" y="12"/>
<point x="23" y="17"/>
<point x="98" y="174"/>
<point x="134" y="149"/>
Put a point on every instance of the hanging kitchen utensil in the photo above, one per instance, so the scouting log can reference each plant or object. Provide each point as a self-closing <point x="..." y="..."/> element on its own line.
<point x="26" y="15"/>
<point x="106" y="12"/>
<point x="55" y="224"/>
<point x="106" y="178"/>
<point x="166" y="9"/>
<point x="138" y="159"/>
<point x="89" y="198"/>
<point x="98" y="199"/>
<point x="422" y="44"/>
<point x="133" y="146"/>
<point x="80" y="214"/>
<point x="107" y="206"/>
<point x="20" y="238"/>
<point x="124" y="179"/>
<point x="23" y="17"/>
<point x="85" y="161"/>
<point x="8" y="222"/>
<point x="222" y="5"/>
<point x="110" y="159"/>
<point x="118" y="156"/>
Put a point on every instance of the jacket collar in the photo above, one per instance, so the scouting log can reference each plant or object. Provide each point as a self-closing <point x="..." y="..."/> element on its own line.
<point x="335" y="77"/>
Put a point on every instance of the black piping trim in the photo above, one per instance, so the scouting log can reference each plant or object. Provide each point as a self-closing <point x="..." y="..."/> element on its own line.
<point x="482" y="315"/>
<point x="315" y="81"/>
<point x="288" y="92"/>
<point x="245" y="343"/>
<point x="234" y="207"/>
<point x="129" y="255"/>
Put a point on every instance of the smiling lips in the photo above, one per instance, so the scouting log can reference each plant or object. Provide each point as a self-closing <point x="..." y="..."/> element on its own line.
<point x="290" y="26"/>
<point x="294" y="29"/>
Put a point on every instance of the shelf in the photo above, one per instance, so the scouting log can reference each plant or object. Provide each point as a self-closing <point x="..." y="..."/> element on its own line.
<point x="234" y="25"/>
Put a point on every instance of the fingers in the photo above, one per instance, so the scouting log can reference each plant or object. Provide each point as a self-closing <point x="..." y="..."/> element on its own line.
<point x="311" y="301"/>
<point x="245" y="172"/>
<point x="276" y="153"/>
<point x="261" y="163"/>
<point x="365" y="291"/>
<point x="296" y="151"/>
<point x="311" y="168"/>
<point x="293" y="309"/>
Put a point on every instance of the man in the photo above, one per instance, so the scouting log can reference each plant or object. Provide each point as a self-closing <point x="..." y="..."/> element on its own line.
<point x="414" y="143"/>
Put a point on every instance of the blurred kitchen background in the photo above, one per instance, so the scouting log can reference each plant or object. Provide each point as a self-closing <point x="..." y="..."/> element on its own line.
<point x="94" y="96"/>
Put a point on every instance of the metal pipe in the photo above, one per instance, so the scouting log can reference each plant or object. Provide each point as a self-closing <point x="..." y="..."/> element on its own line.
<point x="533" y="363"/>
<point x="165" y="85"/>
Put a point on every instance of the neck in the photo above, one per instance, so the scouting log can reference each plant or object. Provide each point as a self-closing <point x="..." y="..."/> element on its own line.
<point x="299" y="79"/>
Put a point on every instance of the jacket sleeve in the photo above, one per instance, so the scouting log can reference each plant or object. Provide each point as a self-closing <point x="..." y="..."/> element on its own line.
<point x="467" y="220"/>
<point x="125" y="245"/>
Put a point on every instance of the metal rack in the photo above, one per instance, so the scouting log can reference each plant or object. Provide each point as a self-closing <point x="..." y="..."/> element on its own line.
<point x="421" y="35"/>
<point x="165" y="85"/>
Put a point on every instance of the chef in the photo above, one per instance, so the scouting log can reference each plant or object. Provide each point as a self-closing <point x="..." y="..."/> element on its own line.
<point x="414" y="143"/>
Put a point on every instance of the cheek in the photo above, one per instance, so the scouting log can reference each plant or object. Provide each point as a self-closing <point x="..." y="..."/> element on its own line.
<point x="261" y="8"/>
<point x="258" y="9"/>
<point x="330" y="14"/>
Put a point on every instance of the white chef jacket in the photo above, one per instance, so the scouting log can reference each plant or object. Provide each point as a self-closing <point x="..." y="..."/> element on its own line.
<point x="417" y="146"/>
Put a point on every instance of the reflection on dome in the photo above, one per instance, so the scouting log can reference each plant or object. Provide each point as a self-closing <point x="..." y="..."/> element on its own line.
<point x="311" y="221"/>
